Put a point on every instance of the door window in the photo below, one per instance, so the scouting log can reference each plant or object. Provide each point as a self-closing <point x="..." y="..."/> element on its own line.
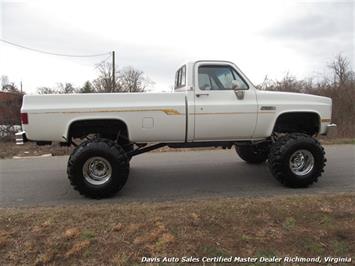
<point x="219" y="78"/>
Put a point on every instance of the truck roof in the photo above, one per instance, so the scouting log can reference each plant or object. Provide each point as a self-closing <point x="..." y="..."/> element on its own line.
<point x="192" y="62"/>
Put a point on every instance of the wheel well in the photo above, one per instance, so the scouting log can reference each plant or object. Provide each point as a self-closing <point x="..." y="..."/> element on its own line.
<point x="302" y="122"/>
<point x="106" y="128"/>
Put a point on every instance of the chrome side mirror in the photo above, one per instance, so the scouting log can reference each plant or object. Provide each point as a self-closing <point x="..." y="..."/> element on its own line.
<point x="239" y="94"/>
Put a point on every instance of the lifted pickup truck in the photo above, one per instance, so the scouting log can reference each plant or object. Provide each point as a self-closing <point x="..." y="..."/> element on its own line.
<point x="213" y="104"/>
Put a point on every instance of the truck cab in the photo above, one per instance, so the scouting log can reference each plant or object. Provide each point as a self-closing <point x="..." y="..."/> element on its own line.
<point x="217" y="93"/>
<point x="223" y="104"/>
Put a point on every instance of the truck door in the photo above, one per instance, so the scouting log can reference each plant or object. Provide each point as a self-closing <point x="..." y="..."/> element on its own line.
<point x="222" y="113"/>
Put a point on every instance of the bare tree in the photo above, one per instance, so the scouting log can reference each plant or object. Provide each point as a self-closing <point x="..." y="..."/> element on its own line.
<point x="8" y="86"/>
<point x="288" y="83"/>
<point x="4" y="80"/>
<point x="61" y="89"/>
<point x="128" y="79"/>
<point x="46" y="90"/>
<point x="66" y="88"/>
<point x="133" y="80"/>
<point x="341" y="70"/>
<point x="103" y="83"/>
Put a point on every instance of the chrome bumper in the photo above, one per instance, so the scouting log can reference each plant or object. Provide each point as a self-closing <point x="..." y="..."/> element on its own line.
<point x="331" y="129"/>
<point x="20" y="138"/>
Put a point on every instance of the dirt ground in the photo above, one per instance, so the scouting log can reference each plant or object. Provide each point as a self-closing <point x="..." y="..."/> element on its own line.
<point x="10" y="149"/>
<point x="122" y="233"/>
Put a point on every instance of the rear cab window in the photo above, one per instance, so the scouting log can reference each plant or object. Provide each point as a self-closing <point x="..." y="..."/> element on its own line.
<point x="180" y="77"/>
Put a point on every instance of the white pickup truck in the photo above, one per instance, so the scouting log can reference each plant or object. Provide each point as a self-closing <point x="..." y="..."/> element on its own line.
<point x="213" y="104"/>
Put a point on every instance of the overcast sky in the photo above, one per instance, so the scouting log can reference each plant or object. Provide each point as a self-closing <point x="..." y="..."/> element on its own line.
<point x="157" y="36"/>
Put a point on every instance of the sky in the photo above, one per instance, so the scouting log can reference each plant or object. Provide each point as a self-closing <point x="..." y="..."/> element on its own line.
<point x="157" y="36"/>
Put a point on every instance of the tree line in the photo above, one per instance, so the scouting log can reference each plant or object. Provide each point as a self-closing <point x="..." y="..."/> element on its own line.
<point x="339" y="86"/>
<point x="128" y="79"/>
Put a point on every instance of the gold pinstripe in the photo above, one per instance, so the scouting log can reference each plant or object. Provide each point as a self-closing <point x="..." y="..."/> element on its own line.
<point x="166" y="111"/>
<point x="231" y="113"/>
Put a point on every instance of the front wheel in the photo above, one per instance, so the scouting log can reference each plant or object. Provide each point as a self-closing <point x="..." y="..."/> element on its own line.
<point x="296" y="160"/>
<point x="98" y="168"/>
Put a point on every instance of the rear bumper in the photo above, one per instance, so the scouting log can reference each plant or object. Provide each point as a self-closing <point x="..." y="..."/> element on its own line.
<point x="21" y="138"/>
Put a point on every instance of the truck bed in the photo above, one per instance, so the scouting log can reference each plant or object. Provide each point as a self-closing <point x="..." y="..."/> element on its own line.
<point x="149" y="116"/>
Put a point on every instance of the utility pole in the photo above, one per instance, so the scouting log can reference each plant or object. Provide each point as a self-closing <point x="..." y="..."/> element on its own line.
<point x="21" y="86"/>
<point x="113" y="72"/>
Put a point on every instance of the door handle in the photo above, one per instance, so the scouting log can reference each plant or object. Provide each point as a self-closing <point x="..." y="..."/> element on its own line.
<point x="202" y="94"/>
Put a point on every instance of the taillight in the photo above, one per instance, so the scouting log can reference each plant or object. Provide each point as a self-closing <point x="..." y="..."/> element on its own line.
<point x="24" y="118"/>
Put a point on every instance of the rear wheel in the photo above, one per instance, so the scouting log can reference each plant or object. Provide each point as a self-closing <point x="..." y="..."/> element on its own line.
<point x="297" y="160"/>
<point x="254" y="154"/>
<point x="98" y="168"/>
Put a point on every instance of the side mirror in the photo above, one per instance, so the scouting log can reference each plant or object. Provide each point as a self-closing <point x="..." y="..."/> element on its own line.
<point x="239" y="92"/>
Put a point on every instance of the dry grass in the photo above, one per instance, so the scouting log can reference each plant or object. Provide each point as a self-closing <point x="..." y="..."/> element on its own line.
<point x="120" y="234"/>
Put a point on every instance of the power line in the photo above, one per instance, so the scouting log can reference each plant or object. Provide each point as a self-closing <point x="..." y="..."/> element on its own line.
<point x="51" y="53"/>
<point x="101" y="62"/>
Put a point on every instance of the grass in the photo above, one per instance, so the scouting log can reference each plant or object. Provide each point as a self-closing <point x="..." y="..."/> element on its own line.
<point x="289" y="223"/>
<point x="120" y="234"/>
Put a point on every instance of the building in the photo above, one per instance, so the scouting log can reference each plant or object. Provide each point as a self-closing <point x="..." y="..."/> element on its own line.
<point x="10" y="108"/>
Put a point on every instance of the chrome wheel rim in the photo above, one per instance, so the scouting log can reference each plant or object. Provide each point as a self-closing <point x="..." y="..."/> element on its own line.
<point x="301" y="162"/>
<point x="97" y="170"/>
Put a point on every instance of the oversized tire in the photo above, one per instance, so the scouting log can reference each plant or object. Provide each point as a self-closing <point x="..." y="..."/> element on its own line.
<point x="254" y="154"/>
<point x="297" y="160"/>
<point x="128" y="148"/>
<point x="98" y="168"/>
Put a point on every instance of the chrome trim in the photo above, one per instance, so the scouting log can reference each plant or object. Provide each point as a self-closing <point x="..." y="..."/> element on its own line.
<point x="331" y="128"/>
<point x="97" y="171"/>
<point x="267" y="108"/>
<point x="301" y="162"/>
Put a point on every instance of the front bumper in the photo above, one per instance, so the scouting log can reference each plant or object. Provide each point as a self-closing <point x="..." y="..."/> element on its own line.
<point x="21" y="138"/>
<point x="331" y="130"/>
